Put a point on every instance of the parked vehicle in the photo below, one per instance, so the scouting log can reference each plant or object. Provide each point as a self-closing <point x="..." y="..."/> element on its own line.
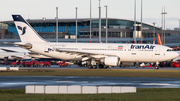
<point x="147" y="65"/>
<point x="175" y="64"/>
<point x="63" y="64"/>
<point x="13" y="64"/>
<point x="70" y="63"/>
<point x="26" y="63"/>
<point x="38" y="64"/>
<point x="47" y="64"/>
<point x="34" y="64"/>
<point x="165" y="64"/>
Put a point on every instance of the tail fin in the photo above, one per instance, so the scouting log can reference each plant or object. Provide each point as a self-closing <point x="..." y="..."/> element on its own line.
<point x="159" y="39"/>
<point x="26" y="32"/>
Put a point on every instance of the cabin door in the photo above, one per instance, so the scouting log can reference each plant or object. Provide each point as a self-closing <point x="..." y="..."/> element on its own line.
<point x="157" y="51"/>
<point x="133" y="52"/>
<point x="134" y="55"/>
<point x="46" y="48"/>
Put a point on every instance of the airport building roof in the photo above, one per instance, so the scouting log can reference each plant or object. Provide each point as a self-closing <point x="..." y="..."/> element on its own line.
<point x="83" y="20"/>
<point x="119" y="30"/>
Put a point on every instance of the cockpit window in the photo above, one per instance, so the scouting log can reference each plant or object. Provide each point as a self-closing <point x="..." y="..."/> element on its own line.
<point x="169" y="50"/>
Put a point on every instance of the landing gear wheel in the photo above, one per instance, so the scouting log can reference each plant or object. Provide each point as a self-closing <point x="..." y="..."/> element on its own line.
<point x="89" y="67"/>
<point x="105" y="67"/>
<point x="94" y="67"/>
<point x="100" y="66"/>
<point x="157" y="67"/>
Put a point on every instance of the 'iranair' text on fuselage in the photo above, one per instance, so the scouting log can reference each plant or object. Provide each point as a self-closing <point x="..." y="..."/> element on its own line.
<point x="142" y="47"/>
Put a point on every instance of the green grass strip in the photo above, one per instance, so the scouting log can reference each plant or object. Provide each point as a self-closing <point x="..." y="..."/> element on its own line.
<point x="97" y="72"/>
<point x="147" y="94"/>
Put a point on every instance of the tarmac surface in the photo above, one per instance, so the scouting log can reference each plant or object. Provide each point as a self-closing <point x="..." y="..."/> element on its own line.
<point x="17" y="82"/>
<point x="76" y="67"/>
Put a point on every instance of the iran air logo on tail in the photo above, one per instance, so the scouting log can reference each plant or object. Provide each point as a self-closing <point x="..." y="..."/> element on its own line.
<point x="22" y="29"/>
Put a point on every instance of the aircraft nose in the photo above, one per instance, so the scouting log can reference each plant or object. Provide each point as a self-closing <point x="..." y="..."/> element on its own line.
<point x="176" y="54"/>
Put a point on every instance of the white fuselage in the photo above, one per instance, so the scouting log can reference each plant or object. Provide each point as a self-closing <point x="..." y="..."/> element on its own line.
<point x="126" y="52"/>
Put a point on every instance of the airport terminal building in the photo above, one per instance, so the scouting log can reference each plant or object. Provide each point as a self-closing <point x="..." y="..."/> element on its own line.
<point x="119" y="31"/>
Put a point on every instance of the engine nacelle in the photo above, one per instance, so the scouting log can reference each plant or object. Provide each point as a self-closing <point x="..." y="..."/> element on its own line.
<point x="110" y="61"/>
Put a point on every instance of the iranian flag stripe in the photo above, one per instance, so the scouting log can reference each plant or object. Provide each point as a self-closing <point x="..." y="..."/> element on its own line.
<point x="120" y="47"/>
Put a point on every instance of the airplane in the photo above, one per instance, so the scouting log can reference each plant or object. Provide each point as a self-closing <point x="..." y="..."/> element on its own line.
<point x="105" y="54"/>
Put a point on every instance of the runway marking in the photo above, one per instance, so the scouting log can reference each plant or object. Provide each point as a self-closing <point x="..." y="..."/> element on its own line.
<point x="64" y="81"/>
<point x="159" y="84"/>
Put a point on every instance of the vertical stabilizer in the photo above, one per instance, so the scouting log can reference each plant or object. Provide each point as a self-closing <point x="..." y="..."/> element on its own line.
<point x="159" y="39"/>
<point x="25" y="31"/>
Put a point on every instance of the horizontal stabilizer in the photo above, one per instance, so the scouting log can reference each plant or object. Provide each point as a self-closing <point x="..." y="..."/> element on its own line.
<point x="7" y="50"/>
<point x="18" y="57"/>
<point x="21" y="44"/>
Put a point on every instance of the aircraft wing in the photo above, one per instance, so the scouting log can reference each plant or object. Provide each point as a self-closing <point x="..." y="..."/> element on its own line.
<point x="18" y="57"/>
<point x="37" y="55"/>
<point x="21" y="44"/>
<point x="83" y="54"/>
<point x="7" y="50"/>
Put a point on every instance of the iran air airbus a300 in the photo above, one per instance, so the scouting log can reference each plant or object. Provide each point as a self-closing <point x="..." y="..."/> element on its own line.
<point x="102" y="53"/>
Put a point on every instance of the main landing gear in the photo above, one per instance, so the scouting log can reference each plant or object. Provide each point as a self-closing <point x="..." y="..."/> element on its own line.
<point x="93" y="65"/>
<point x="101" y="66"/>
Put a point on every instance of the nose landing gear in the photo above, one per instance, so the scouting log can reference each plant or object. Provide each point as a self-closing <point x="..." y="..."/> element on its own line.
<point x="157" y="65"/>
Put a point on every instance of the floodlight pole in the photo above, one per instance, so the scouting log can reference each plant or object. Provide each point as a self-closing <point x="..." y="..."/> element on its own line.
<point x="99" y="22"/>
<point x="164" y="24"/>
<point x="56" y="24"/>
<point x="90" y="22"/>
<point x="134" y="21"/>
<point x="76" y="24"/>
<point x="141" y="19"/>
<point x="106" y="24"/>
<point x="154" y="33"/>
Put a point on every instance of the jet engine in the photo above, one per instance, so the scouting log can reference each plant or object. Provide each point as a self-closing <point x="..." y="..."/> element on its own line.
<point x="6" y="59"/>
<point x="110" y="61"/>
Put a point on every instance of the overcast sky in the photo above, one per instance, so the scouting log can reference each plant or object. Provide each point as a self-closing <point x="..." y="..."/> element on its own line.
<point x="122" y="9"/>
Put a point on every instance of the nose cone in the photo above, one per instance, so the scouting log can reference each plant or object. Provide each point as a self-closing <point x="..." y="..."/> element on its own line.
<point x="175" y="54"/>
